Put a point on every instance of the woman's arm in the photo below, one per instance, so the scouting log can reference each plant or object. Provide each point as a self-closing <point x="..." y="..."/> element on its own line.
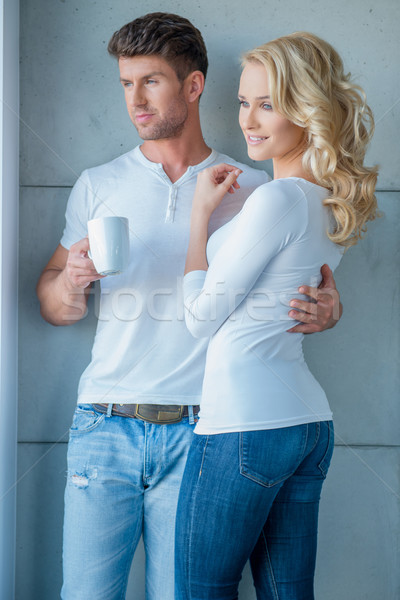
<point x="212" y="185"/>
<point x="273" y="216"/>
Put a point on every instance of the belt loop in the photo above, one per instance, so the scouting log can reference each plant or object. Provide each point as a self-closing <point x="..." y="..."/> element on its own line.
<point x="109" y="410"/>
<point x="190" y="413"/>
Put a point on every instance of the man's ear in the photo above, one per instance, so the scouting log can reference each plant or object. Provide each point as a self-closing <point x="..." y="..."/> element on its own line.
<point x="194" y="85"/>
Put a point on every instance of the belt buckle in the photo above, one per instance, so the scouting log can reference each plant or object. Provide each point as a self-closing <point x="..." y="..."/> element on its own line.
<point x="158" y="415"/>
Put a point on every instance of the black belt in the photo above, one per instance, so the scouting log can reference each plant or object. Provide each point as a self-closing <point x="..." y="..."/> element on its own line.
<point x="160" y="414"/>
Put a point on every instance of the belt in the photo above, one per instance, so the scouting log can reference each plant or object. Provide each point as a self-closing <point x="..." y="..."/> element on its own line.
<point x="160" y="414"/>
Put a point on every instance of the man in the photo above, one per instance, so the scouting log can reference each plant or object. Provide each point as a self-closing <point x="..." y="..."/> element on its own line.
<point x="138" y="398"/>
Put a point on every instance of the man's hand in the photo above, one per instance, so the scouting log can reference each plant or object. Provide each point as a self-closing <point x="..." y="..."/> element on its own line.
<point x="63" y="286"/>
<point x="79" y="269"/>
<point x="322" y="314"/>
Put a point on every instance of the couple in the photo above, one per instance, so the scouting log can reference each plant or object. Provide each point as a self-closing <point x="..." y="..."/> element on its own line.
<point x="255" y="471"/>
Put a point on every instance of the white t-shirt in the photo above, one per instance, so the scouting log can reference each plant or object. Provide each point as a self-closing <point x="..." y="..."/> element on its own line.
<point x="143" y="352"/>
<point x="255" y="375"/>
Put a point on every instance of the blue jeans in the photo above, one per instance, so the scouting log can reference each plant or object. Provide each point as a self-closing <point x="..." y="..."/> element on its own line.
<point x="123" y="480"/>
<point x="251" y="495"/>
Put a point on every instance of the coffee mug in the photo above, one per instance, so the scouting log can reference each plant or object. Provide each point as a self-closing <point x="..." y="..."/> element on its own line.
<point x="109" y="244"/>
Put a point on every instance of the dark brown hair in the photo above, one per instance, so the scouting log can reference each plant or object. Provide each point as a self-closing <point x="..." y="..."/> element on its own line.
<point x="169" y="36"/>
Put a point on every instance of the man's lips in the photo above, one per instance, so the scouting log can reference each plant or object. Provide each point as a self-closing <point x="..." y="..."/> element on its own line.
<point x="143" y="117"/>
<point x="254" y="140"/>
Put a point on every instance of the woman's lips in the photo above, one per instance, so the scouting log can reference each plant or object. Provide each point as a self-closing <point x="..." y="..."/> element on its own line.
<point x="254" y="140"/>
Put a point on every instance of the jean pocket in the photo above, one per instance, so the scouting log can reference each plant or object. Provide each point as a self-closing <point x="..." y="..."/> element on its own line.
<point x="326" y="460"/>
<point x="85" y="419"/>
<point x="270" y="456"/>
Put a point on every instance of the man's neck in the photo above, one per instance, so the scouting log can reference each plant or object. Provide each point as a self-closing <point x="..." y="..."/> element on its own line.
<point x="176" y="154"/>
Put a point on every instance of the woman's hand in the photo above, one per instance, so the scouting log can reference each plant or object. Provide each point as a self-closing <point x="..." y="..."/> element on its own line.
<point x="212" y="185"/>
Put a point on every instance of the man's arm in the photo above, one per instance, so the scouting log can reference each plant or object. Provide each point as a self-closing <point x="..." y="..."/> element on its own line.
<point x="322" y="314"/>
<point x="64" y="285"/>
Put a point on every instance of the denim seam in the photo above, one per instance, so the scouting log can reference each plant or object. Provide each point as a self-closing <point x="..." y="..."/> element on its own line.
<point x="127" y="570"/>
<point x="203" y="457"/>
<point x="191" y="517"/>
<point x="145" y="463"/>
<point x="270" y="569"/>
<point x="78" y="432"/>
<point x="317" y="434"/>
<point x="304" y="444"/>
<point x="322" y="462"/>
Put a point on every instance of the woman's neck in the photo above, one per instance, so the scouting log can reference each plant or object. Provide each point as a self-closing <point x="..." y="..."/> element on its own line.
<point x="287" y="167"/>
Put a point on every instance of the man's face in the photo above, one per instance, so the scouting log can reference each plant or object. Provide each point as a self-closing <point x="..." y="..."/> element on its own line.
<point x="154" y="97"/>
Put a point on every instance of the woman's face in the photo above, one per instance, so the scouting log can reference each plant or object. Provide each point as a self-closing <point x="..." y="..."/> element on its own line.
<point x="267" y="134"/>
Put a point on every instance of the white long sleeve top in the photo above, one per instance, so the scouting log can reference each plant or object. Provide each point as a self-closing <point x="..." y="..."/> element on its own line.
<point x="255" y="375"/>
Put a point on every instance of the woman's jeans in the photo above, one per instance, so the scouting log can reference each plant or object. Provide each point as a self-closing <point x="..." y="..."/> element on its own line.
<point x="251" y="495"/>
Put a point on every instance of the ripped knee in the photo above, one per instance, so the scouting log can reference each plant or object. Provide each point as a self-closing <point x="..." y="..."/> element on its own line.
<point x="82" y="480"/>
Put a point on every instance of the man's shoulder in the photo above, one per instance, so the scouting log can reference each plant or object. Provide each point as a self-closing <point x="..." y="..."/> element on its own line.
<point x="258" y="176"/>
<point x="117" y="167"/>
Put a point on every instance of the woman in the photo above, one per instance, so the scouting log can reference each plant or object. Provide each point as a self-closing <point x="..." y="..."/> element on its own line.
<point x="265" y="437"/>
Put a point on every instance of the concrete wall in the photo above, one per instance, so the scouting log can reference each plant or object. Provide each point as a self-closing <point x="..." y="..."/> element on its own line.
<point x="74" y="117"/>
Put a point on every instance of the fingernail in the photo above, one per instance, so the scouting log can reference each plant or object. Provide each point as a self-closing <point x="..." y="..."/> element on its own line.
<point x="302" y="290"/>
<point x="293" y="303"/>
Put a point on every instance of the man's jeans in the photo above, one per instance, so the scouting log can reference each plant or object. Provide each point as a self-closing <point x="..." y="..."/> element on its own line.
<point x="252" y="493"/>
<point x="123" y="479"/>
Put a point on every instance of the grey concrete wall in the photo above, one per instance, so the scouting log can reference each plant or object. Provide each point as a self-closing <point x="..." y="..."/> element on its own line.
<point x="73" y="117"/>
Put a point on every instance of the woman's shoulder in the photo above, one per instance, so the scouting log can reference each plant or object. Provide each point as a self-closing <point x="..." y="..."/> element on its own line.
<point x="280" y="204"/>
<point x="277" y="194"/>
<point x="285" y="186"/>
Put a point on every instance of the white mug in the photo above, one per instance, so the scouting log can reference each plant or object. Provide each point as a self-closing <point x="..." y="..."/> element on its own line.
<point x="109" y="244"/>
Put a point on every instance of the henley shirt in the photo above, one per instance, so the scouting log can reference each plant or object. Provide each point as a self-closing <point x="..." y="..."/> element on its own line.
<point x="142" y="351"/>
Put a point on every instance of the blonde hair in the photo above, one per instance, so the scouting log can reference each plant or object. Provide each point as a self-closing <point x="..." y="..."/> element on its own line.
<point x="310" y="88"/>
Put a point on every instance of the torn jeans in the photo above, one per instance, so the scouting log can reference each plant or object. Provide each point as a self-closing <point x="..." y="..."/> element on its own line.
<point x="123" y="480"/>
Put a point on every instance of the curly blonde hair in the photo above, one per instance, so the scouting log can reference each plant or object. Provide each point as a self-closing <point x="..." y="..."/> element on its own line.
<point x="310" y="88"/>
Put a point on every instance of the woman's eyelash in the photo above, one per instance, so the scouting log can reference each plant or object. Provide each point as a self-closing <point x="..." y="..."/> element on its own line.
<point x="265" y="105"/>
